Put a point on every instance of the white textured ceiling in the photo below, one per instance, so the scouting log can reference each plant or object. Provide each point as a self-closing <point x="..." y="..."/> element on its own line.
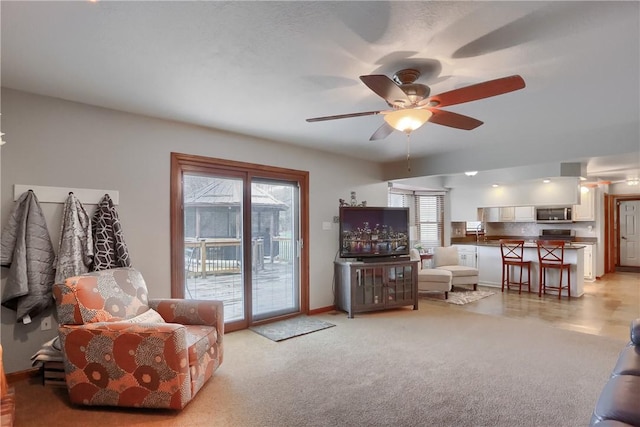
<point x="262" y="68"/>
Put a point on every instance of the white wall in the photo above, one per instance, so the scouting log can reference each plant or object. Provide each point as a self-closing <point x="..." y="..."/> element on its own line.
<point x="624" y="188"/>
<point x="51" y="142"/>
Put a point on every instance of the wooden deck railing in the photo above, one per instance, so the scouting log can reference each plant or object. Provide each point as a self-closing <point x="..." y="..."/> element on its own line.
<point x="285" y="248"/>
<point x="219" y="256"/>
<point x="223" y="255"/>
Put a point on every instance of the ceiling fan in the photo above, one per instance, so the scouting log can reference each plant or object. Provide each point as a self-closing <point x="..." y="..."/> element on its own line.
<point x="411" y="106"/>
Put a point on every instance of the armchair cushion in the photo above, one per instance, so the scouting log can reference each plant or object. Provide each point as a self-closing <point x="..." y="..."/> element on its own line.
<point x="103" y="296"/>
<point x="447" y="255"/>
<point x="149" y="316"/>
<point x="460" y="270"/>
<point x="200" y="339"/>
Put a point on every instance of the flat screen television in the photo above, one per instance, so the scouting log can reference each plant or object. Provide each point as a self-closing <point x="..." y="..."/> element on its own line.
<point x="370" y="232"/>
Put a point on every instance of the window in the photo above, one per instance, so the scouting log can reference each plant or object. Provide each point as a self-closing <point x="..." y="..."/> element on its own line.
<point x="427" y="212"/>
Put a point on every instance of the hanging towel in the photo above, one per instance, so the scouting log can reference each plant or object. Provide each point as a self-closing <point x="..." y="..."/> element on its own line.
<point x="109" y="248"/>
<point x="27" y="250"/>
<point x="75" y="254"/>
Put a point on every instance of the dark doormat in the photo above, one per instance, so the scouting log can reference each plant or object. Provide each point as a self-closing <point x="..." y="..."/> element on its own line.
<point x="289" y="328"/>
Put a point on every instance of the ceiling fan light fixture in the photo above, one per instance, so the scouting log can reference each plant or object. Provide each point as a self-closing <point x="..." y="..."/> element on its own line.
<point x="407" y="120"/>
<point x="471" y="173"/>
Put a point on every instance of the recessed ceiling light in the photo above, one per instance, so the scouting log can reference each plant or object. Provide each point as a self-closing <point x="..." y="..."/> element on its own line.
<point x="582" y="178"/>
<point x="633" y="181"/>
<point x="546" y="181"/>
<point x="471" y="173"/>
<point x="584" y="189"/>
<point x="495" y="185"/>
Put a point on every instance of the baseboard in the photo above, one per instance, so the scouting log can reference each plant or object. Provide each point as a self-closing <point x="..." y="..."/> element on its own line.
<point x="321" y="310"/>
<point x="627" y="269"/>
<point x="23" y="375"/>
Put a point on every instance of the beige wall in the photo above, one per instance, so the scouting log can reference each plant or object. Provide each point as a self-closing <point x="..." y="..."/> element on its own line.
<point x="51" y="142"/>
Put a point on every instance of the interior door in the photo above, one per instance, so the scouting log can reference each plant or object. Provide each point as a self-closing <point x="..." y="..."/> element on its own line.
<point x="629" y="212"/>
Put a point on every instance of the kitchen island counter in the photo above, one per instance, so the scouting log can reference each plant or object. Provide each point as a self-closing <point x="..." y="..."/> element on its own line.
<point x="527" y="244"/>
<point x="489" y="261"/>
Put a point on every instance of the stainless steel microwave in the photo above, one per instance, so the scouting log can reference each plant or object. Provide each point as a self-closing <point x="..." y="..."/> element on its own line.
<point x="554" y="215"/>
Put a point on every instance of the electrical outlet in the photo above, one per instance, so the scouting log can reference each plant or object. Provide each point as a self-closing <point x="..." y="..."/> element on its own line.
<point x="45" y="323"/>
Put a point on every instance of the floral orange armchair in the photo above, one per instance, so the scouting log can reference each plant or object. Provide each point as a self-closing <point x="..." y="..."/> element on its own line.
<point x="122" y="350"/>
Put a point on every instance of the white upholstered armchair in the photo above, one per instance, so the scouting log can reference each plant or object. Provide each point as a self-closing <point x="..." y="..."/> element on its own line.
<point x="431" y="279"/>
<point x="446" y="258"/>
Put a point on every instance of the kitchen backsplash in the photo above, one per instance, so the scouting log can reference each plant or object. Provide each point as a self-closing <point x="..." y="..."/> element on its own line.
<point x="582" y="229"/>
<point x="524" y="229"/>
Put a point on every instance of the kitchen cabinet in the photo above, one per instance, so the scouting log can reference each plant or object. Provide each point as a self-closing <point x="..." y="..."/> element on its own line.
<point x="589" y="262"/>
<point x="370" y="286"/>
<point x="467" y="255"/>
<point x="491" y="214"/>
<point x="586" y="210"/>
<point x="507" y="214"/>
<point x="510" y="214"/>
<point x="525" y="214"/>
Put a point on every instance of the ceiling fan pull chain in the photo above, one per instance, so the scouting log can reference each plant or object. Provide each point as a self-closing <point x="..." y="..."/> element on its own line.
<point x="408" y="154"/>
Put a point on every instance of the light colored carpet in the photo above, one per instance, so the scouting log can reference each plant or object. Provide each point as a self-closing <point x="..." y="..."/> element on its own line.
<point x="437" y="366"/>
<point x="459" y="297"/>
<point x="289" y="328"/>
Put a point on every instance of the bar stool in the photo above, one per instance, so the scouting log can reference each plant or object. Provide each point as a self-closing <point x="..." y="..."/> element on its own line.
<point x="551" y="256"/>
<point x="513" y="256"/>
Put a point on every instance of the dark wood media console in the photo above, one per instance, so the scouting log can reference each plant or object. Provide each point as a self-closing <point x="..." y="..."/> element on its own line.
<point x="375" y="285"/>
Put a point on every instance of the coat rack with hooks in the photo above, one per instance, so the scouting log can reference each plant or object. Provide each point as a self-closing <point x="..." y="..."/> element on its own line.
<point x="87" y="196"/>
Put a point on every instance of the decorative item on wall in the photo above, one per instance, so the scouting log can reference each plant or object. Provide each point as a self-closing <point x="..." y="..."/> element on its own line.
<point x="354" y="201"/>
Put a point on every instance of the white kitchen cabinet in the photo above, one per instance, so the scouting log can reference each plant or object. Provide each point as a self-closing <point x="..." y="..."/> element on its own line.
<point x="467" y="255"/>
<point x="524" y="214"/>
<point x="589" y="262"/>
<point x="507" y="214"/>
<point x="510" y="214"/>
<point x="586" y="210"/>
<point x="491" y="214"/>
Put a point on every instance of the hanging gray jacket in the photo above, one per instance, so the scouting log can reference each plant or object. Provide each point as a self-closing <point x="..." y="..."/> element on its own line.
<point x="75" y="254"/>
<point x="27" y="250"/>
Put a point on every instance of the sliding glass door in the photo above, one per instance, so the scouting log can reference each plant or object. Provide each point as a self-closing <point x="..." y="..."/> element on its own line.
<point x="213" y="244"/>
<point x="237" y="237"/>
<point x="274" y="227"/>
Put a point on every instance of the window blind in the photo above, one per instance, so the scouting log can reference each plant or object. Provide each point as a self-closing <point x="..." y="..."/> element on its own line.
<point x="427" y="212"/>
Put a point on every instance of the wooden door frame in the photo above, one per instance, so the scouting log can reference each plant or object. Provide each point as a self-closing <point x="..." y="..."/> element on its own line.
<point x="612" y="229"/>
<point x="192" y="163"/>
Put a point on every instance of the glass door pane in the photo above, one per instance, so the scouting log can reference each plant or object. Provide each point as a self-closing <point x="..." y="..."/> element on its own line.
<point x="275" y="257"/>
<point x="213" y="246"/>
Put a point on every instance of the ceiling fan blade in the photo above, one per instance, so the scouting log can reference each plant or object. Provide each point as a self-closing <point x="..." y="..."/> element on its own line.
<point x="477" y="91"/>
<point x="382" y="132"/>
<point x="453" y="120"/>
<point x="384" y="87"/>
<point x="343" y="116"/>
